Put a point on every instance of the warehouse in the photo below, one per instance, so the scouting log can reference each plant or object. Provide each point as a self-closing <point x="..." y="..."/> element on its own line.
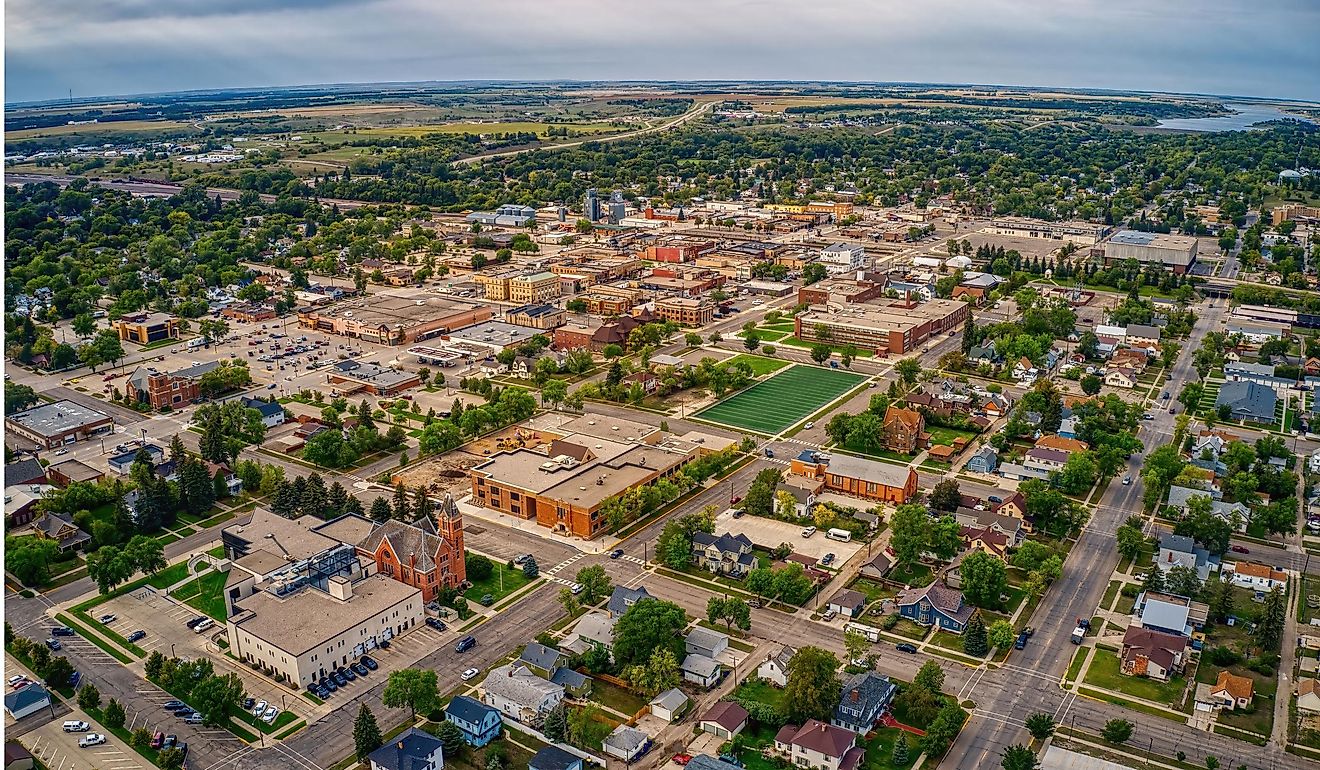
<point x="59" y="422"/>
<point x="1176" y="252"/>
<point x="1080" y="233"/>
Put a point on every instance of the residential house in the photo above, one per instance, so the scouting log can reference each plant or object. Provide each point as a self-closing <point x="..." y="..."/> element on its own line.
<point x="935" y="605"/>
<point x="19" y="758"/>
<point x="701" y="670"/>
<point x="1247" y="401"/>
<point x="862" y="701"/>
<point x="272" y="412"/>
<point x="774" y="669"/>
<point x="724" y="720"/>
<point x="226" y="476"/>
<point x="479" y="723"/>
<point x="847" y="602"/>
<point x="71" y="471"/>
<point x="575" y="684"/>
<point x="623" y="598"/>
<point x="1308" y="695"/>
<point x="986" y="540"/>
<point x="904" y="430"/>
<point x="1135" y="360"/>
<point x="1142" y="335"/>
<point x="626" y="743"/>
<point x="27" y="471"/>
<point x="27" y="701"/>
<point x="1013" y="529"/>
<point x="1062" y="444"/>
<point x="122" y="463"/>
<point x="818" y="746"/>
<point x="1180" y="550"/>
<point x="704" y="641"/>
<point x="1236" y="514"/>
<point x="554" y="758"/>
<point x="1170" y="613"/>
<point x="804" y="492"/>
<point x="1152" y="654"/>
<point x="1021" y="472"/>
<point x="541" y="659"/>
<point x="993" y="405"/>
<point x="1231" y="692"/>
<point x="64" y="532"/>
<point x="592" y="630"/>
<point x="669" y="705"/>
<point x="520" y="694"/>
<point x="877" y="567"/>
<point x="984" y="354"/>
<point x="1014" y="505"/>
<point x="1025" y="371"/>
<point x="1044" y="459"/>
<point x="413" y="750"/>
<point x="723" y="554"/>
<point x="1255" y="577"/>
<point x="1121" y="377"/>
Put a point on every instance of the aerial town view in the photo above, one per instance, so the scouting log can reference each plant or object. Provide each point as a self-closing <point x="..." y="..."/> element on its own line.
<point x="393" y="385"/>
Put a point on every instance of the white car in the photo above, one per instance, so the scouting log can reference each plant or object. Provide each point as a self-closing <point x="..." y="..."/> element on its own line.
<point x="470" y="673"/>
<point x="260" y="708"/>
<point x="576" y="588"/>
<point x="91" y="739"/>
<point x="269" y="716"/>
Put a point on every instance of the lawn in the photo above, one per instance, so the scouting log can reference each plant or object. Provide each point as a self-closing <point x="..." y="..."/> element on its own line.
<point x="206" y="593"/>
<point x="502" y="582"/>
<point x="915" y="574"/>
<point x="614" y="697"/>
<point x="946" y="436"/>
<point x="774" y="405"/>
<point x="168" y="576"/>
<point x="761" y="691"/>
<point x="873" y="590"/>
<point x="760" y="364"/>
<point x="1104" y="673"/>
<point x="880" y="749"/>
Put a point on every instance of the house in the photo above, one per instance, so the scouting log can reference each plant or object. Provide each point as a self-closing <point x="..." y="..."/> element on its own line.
<point x="702" y="670"/>
<point x="987" y="540"/>
<point x="541" y="659"/>
<point x="592" y="630"/>
<point x="984" y="460"/>
<point x="1142" y="335"/>
<point x="27" y="701"/>
<point x="1236" y="514"/>
<point x="1021" y="472"/>
<point x="993" y="405"/>
<point x="554" y="758"/>
<point x="1062" y="444"/>
<point x="669" y="705"/>
<point x="1045" y="459"/>
<point x="1136" y="360"/>
<point x="1255" y="577"/>
<point x="774" y="669"/>
<point x="704" y="641"/>
<point x="1014" y="505"/>
<point x="520" y="694"/>
<point x="1121" y="377"/>
<point x="1308" y="695"/>
<point x="819" y="746"/>
<point x="1231" y="692"/>
<point x="707" y="762"/>
<point x="626" y="743"/>
<point x="877" y="567"/>
<point x="222" y="472"/>
<point x="984" y="354"/>
<point x="65" y="533"/>
<point x="1247" y="401"/>
<point x="27" y="471"/>
<point x="272" y="412"/>
<point x="1025" y="371"/>
<point x="479" y="723"/>
<point x="904" y="429"/>
<point x="848" y="603"/>
<point x="1180" y="550"/>
<point x="623" y="598"/>
<point x="724" y="720"/>
<point x="1014" y="530"/>
<point x="122" y="463"/>
<point x="723" y="554"/>
<point x="857" y="476"/>
<point x="862" y="701"/>
<point x="71" y="471"/>
<point x="1152" y="654"/>
<point x="804" y="492"/>
<point x="1170" y="613"/>
<point x="413" y="750"/>
<point x="935" y="605"/>
<point x="575" y="684"/>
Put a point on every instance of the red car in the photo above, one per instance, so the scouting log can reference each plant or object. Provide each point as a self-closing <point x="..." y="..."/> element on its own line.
<point x="1239" y="549"/>
<point x="735" y="500"/>
<point x="681" y="759"/>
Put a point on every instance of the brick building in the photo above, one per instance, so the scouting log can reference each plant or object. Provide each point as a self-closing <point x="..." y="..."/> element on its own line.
<point x="172" y="389"/>
<point x="144" y="327"/>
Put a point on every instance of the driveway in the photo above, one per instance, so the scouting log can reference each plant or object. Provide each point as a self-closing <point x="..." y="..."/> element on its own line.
<point x="771" y="532"/>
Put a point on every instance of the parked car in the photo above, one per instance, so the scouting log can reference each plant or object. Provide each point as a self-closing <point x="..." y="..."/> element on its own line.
<point x="329" y="684"/>
<point x="1021" y="642"/>
<point x="76" y="726"/>
<point x="907" y="647"/>
<point x="576" y="588"/>
<point x="269" y="716"/>
<point x="170" y="741"/>
<point x="827" y="559"/>
<point x="1239" y="549"/>
<point x="829" y="615"/>
<point x="53" y="643"/>
<point x="61" y="631"/>
<point x="995" y="499"/>
<point x="809" y="426"/>
<point x="91" y="739"/>
<point x="808" y="531"/>
<point x="248" y="703"/>
<point x="339" y="679"/>
<point x="348" y="674"/>
<point x="681" y="759"/>
<point x="174" y="705"/>
<point x="136" y="636"/>
<point x="436" y="623"/>
<point x="369" y="662"/>
<point x="194" y="719"/>
<point x="471" y="673"/>
<point x="157" y="739"/>
<point x="108" y="618"/>
<point x="359" y="669"/>
<point x="259" y="709"/>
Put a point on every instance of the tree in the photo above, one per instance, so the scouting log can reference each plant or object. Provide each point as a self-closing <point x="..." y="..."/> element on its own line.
<point x="569" y="600"/>
<point x="412" y="687"/>
<point x="1001" y="634"/>
<point x="595" y="583"/>
<point x="1183" y="581"/>
<point x="760" y="498"/>
<point x="1273" y="614"/>
<point x="217" y="697"/>
<point x="984" y="579"/>
<point x="1129" y="539"/>
<point x="660" y="672"/>
<point x="57" y="672"/>
<point x="856" y="644"/>
<point x="943" y="729"/>
<point x="908" y="537"/>
<point x="1040" y="725"/>
<point x="108" y="567"/>
<point x="908" y="369"/>
<point x="648" y="625"/>
<point x="30" y="561"/>
<point x="813" y="686"/>
<point x="146" y="554"/>
<point x="899" y="756"/>
<point x="366" y="733"/>
<point x="1116" y="731"/>
<point x="946" y="496"/>
<point x="732" y="610"/>
<point x="555" y="725"/>
<point x="1018" y="757"/>
<point x="930" y="677"/>
<point x="88" y="697"/>
<point x="113" y="716"/>
<point x="975" y="639"/>
<point x="169" y="758"/>
<point x="1211" y="762"/>
<point x="478" y="567"/>
<point x="1091" y="384"/>
<point x="820" y="353"/>
<point x="530" y="569"/>
<point x="451" y="737"/>
<point x="380" y="509"/>
<point x="84" y="325"/>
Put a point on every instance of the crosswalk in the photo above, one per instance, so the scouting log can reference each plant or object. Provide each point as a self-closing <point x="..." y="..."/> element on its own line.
<point x="553" y="573"/>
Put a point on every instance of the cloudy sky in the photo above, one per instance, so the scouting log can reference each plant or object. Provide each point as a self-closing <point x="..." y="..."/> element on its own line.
<point x="102" y="47"/>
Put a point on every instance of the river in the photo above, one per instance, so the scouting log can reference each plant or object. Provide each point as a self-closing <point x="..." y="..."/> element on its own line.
<point x="1243" y="117"/>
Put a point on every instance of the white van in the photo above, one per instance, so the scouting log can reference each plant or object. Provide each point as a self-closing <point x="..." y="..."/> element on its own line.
<point x="842" y="535"/>
<point x="872" y="634"/>
<point x="76" y="726"/>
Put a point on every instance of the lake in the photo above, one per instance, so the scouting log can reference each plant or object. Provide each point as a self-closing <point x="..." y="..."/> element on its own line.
<point x="1242" y="119"/>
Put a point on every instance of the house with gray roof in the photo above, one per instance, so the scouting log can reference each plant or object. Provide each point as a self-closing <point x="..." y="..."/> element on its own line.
<point x="986" y="460"/>
<point x="669" y="705"/>
<point x="594" y="629"/>
<point x="862" y="701"/>
<point x="702" y="670"/>
<point x="1236" y="514"/>
<point x="704" y="641"/>
<point x="413" y="750"/>
<point x="520" y="694"/>
<point x="624" y="597"/>
<point x="541" y="659"/>
<point x="774" y="668"/>
<point x="724" y="554"/>
<point x="626" y="743"/>
<point x="554" y="758"/>
<point x="1247" y="401"/>
<point x="479" y="723"/>
<point x="1182" y="551"/>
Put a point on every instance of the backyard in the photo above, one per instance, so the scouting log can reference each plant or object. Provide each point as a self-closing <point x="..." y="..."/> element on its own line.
<point x="1105" y="674"/>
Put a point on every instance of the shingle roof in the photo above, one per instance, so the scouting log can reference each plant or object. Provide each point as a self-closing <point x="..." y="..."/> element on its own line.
<point x="826" y="739"/>
<point x="23" y="472"/>
<point x="1238" y="687"/>
<point x="410" y="751"/>
<point x="33" y="693"/>
<point x="540" y="656"/>
<point x="626" y="738"/>
<point x="947" y="600"/>
<point x="553" y="758"/>
<point x="624" y="597"/>
<point x="726" y="714"/>
<point x="469" y="709"/>
<point x="700" y="665"/>
<point x="517" y="683"/>
<point x="848" y="599"/>
<point x="671" y="699"/>
<point x="568" y="678"/>
<point x="726" y="542"/>
<point x="1157" y="646"/>
<point x="407" y="542"/>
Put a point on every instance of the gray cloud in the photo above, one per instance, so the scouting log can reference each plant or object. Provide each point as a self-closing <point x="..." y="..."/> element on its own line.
<point x="136" y="46"/>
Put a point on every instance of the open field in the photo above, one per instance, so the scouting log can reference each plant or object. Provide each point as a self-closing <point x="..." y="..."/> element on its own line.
<point x="783" y="400"/>
<point x="521" y="127"/>
<point x="100" y="129"/>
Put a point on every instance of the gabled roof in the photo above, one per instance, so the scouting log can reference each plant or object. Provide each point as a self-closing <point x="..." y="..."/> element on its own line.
<point x="1237" y="687"/>
<point x="947" y="600"/>
<point x="705" y="639"/>
<point x="21" y="699"/>
<point x="24" y="472"/>
<point x="540" y="656"/>
<point x="267" y="408"/>
<point x="726" y="543"/>
<point x="568" y="678"/>
<point x="849" y="599"/>
<point x="410" y="751"/>
<point x="726" y="714"/>
<point x="908" y="418"/>
<point x="1157" y="646"/>
<point x="829" y="740"/>
<point x="406" y="542"/>
<point x="624" y="597"/>
<point x="517" y="683"/>
<point x="553" y="758"/>
<point x="469" y="709"/>
<point x="864" y="693"/>
<point x="700" y="665"/>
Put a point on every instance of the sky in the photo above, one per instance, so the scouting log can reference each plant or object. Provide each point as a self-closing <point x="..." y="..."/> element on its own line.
<point x="110" y="47"/>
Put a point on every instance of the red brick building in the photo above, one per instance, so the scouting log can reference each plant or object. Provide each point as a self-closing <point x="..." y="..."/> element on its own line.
<point x="427" y="557"/>
<point x="172" y="389"/>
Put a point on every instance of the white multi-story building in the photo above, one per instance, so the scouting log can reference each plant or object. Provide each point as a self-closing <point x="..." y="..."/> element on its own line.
<point x="843" y="257"/>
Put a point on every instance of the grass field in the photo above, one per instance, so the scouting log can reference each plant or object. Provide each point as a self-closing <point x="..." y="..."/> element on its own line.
<point x="206" y="593"/>
<point x="126" y="126"/>
<point x="760" y="364"/>
<point x="783" y="400"/>
<point x="520" y="127"/>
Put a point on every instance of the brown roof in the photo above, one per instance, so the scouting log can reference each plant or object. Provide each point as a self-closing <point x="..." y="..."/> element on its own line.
<point x="827" y="739"/>
<point x="1238" y="687"/>
<point x="910" y="419"/>
<point x="726" y="714"/>
<point x="1156" y="646"/>
<point x="1308" y="686"/>
<point x="1062" y="444"/>
<point x="406" y="542"/>
<point x="1252" y="569"/>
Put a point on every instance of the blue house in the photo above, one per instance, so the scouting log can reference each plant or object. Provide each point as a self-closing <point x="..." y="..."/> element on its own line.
<point x="554" y="758"/>
<point x="863" y="700"/>
<point x="413" y="750"/>
<point x="985" y="460"/>
<point x="480" y="723"/>
<point x="935" y="605"/>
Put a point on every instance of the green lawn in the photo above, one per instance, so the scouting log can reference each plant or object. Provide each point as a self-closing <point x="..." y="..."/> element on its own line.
<point x="946" y="436"/>
<point x="614" y="697"/>
<point x="502" y="582"/>
<point x="916" y="574"/>
<point x="760" y="364"/>
<point x="761" y="691"/>
<point x="880" y="749"/>
<point x="774" y="405"/>
<point x="206" y="593"/>
<point x="873" y="590"/>
<point x="1104" y="673"/>
<point x="168" y="576"/>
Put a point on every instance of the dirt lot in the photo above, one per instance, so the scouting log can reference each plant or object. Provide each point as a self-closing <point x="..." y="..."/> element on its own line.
<point x="447" y="473"/>
<point x="771" y="532"/>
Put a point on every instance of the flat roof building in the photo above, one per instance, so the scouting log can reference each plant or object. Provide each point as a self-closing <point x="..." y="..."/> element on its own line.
<point x="391" y="318"/>
<point x="540" y="317"/>
<point x="58" y="422"/>
<point x="372" y="378"/>
<point x="894" y="329"/>
<point x="1080" y="233"/>
<point x="1176" y="252"/>
<point x="492" y="335"/>
<point x="145" y="327"/>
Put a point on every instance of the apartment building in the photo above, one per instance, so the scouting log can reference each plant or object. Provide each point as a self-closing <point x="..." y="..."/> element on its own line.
<point x="895" y="329"/>
<point x="534" y="288"/>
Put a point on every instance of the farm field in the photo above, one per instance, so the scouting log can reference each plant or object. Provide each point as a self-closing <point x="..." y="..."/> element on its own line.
<point x="780" y="402"/>
<point x="539" y="129"/>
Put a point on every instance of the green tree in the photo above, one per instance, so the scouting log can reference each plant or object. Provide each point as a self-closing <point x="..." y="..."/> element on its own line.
<point x="366" y="733"/>
<point x="820" y="353"/>
<point x="908" y="369"/>
<point x="975" y="639"/>
<point x="595" y="583"/>
<point x="1091" y="384"/>
<point x="451" y="737"/>
<point x="899" y="755"/>
<point x="1018" y="757"/>
<point x="648" y="625"/>
<point x="1001" y="634"/>
<point x="169" y="758"/>
<point x="908" y="533"/>
<point x="1040" y="725"/>
<point x="569" y="601"/>
<point x="412" y="687"/>
<point x="813" y="686"/>
<point x="1116" y="731"/>
<point x="30" y="559"/>
<point x="113" y="716"/>
<point x="855" y="644"/>
<point x="88" y="697"/>
<point x="1273" y="615"/>
<point x="84" y="325"/>
<point x="946" y="496"/>
<point x="943" y="729"/>
<point x="1129" y="539"/>
<point x="984" y="579"/>
<point x="217" y="697"/>
<point x="478" y="567"/>
<point x="660" y="672"/>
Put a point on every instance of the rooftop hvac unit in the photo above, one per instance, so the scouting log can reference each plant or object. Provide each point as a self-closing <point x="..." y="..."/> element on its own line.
<point x="549" y="465"/>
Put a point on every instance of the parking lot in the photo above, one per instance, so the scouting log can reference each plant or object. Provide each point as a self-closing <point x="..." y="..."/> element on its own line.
<point x="771" y="532"/>
<point x="58" y="750"/>
<point x="161" y="617"/>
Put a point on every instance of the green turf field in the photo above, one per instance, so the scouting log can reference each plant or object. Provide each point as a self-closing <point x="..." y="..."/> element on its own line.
<point x="775" y="404"/>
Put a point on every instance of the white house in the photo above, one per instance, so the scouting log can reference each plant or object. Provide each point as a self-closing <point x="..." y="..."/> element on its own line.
<point x="843" y="257"/>
<point x="1255" y="577"/>
<point x="669" y="705"/>
<point x="774" y="668"/>
<point x="704" y="641"/>
<point x="626" y="743"/>
<point x="702" y="670"/>
<point x="520" y="694"/>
